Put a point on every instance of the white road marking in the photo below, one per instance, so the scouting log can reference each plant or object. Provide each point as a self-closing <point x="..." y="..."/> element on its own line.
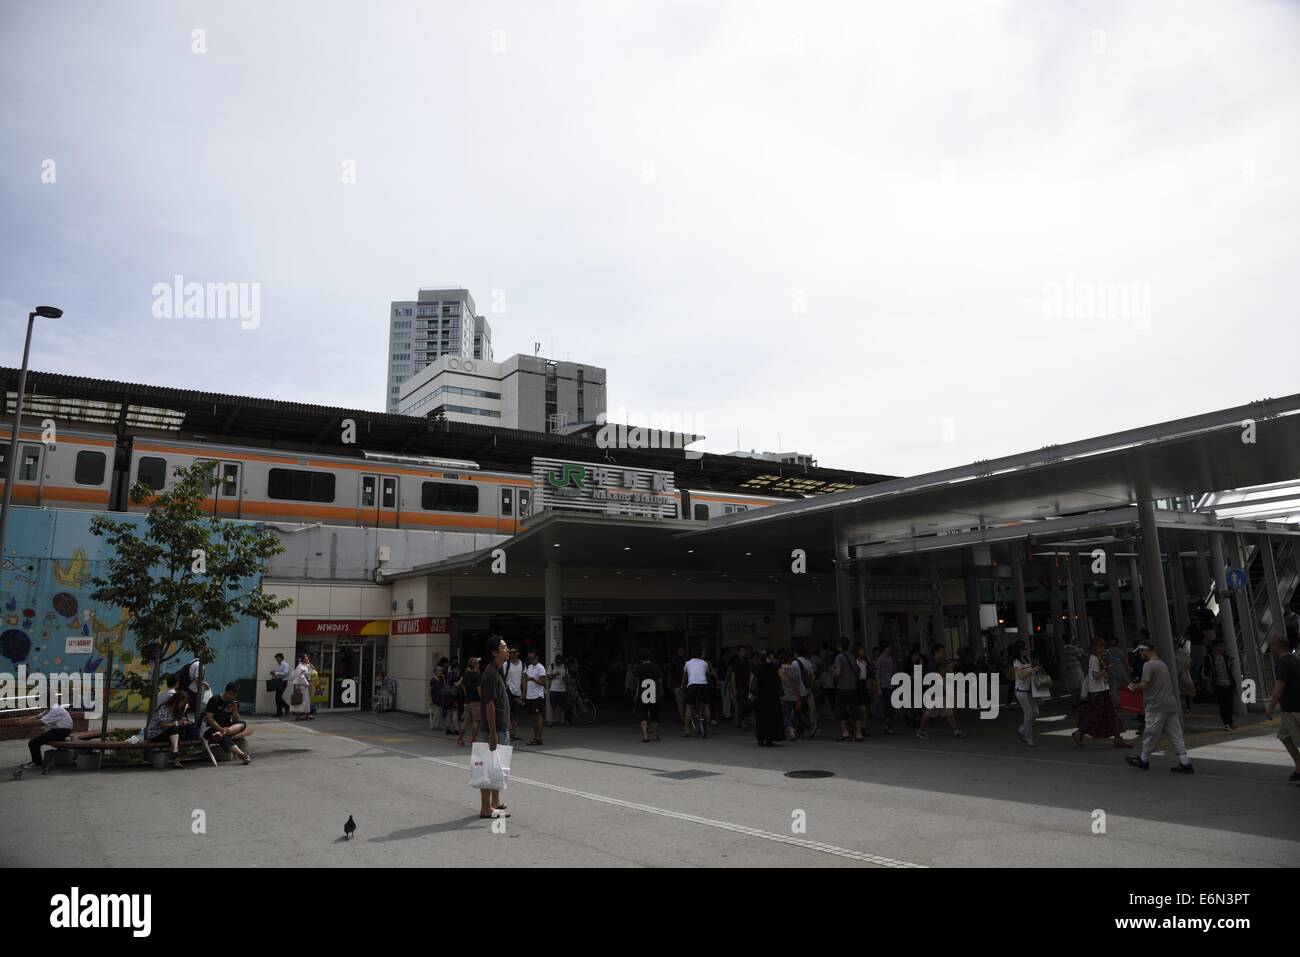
<point x="831" y="849"/>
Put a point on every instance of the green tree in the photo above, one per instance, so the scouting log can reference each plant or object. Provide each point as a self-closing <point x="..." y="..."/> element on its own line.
<point x="184" y="574"/>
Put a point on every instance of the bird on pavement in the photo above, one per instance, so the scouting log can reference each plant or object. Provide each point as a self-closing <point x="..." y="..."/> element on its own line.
<point x="349" y="827"/>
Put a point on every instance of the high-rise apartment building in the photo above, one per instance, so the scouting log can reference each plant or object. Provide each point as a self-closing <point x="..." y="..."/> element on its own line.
<point x="440" y="322"/>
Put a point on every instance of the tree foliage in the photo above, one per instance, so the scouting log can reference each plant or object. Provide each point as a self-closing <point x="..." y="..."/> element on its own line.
<point x="184" y="574"/>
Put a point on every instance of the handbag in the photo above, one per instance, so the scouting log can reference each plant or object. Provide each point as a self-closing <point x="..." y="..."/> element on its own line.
<point x="489" y="770"/>
<point x="1042" y="680"/>
<point x="296" y="697"/>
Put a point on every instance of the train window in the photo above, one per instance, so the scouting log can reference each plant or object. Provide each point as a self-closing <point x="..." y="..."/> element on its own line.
<point x="229" y="480"/>
<point x="389" y="493"/>
<point x="445" y="497"/>
<point x="90" y="468"/>
<point x="367" y="491"/>
<point x="701" y="513"/>
<point x="298" y="485"/>
<point x="525" y="500"/>
<point x="507" y="502"/>
<point x="153" y="472"/>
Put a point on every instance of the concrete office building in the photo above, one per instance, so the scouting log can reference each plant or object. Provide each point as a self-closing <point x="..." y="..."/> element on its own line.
<point x="782" y="458"/>
<point x="439" y="322"/>
<point x="523" y="392"/>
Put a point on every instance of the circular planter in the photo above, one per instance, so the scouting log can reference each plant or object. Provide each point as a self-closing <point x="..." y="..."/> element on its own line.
<point x="89" y="760"/>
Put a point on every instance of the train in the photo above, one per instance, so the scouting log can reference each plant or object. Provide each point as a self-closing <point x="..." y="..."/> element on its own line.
<point x="88" y="469"/>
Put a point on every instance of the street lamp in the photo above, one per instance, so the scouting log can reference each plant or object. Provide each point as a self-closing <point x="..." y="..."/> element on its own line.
<point x="45" y="312"/>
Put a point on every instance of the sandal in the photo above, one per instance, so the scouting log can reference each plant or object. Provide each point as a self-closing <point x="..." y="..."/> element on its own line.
<point x="859" y="739"/>
<point x="845" y="737"/>
<point x="654" y="737"/>
<point x="247" y="759"/>
<point x="645" y="740"/>
<point x="535" y="741"/>
<point x="1078" y="738"/>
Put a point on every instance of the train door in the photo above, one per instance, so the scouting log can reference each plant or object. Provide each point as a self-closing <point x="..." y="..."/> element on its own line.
<point x="29" y="483"/>
<point x="226" y="489"/>
<point x="230" y="489"/>
<point x="506" y="516"/>
<point x="388" y="514"/>
<point x="368" y="501"/>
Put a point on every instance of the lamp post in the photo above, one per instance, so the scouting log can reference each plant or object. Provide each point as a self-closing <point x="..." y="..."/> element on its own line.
<point x="45" y="312"/>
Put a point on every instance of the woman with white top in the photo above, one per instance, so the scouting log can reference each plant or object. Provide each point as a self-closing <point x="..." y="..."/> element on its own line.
<point x="1097" y="717"/>
<point x="558" y="693"/>
<point x="1024" y="669"/>
<point x="302" y="690"/>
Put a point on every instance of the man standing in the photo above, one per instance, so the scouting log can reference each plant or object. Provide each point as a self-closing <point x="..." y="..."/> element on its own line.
<point x="513" y="671"/>
<point x="535" y="694"/>
<point x="738" y="679"/>
<point x="1163" y="715"/>
<point x="845" y="674"/>
<point x="280" y="679"/>
<point x="649" y="683"/>
<point x="885" y="684"/>
<point x="495" y="705"/>
<point x="807" y="666"/>
<point x="1286" y="699"/>
<point x="559" y="698"/>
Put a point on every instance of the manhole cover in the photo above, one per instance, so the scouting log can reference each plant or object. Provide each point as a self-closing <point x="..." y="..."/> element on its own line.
<point x="687" y="775"/>
<point x="810" y="774"/>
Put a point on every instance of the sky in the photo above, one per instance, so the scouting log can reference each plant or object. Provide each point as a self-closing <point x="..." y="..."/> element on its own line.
<point x="899" y="237"/>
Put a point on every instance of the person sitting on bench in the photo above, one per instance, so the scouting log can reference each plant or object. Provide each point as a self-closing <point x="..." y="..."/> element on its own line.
<point x="170" y="722"/>
<point x="224" y="726"/>
<point x="55" y="724"/>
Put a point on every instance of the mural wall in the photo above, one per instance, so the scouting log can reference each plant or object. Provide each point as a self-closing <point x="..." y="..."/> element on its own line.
<point x="46" y="577"/>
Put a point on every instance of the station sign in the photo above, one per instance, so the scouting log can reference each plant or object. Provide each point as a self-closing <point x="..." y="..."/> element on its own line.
<point x="587" y="487"/>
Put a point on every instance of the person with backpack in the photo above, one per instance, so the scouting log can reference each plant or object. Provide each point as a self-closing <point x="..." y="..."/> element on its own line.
<point x="807" y="699"/>
<point x="844" y="683"/>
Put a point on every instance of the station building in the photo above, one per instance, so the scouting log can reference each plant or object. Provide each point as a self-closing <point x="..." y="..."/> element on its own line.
<point x="607" y="550"/>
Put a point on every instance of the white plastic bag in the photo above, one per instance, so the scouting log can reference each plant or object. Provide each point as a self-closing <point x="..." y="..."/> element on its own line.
<point x="489" y="769"/>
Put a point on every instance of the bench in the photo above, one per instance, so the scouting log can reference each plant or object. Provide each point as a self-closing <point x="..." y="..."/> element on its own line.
<point x="89" y="742"/>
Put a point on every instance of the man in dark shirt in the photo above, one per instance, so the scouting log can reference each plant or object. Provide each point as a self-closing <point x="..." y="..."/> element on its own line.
<point x="648" y="683"/>
<point x="495" y="704"/>
<point x="1286" y="698"/>
<point x="738" y="677"/>
<point x="224" y="726"/>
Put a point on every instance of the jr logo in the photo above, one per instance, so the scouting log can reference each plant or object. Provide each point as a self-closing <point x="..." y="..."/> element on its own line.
<point x="570" y="476"/>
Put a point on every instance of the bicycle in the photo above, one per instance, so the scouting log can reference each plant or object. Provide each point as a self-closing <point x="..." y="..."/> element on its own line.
<point x="698" y="723"/>
<point x="580" y="709"/>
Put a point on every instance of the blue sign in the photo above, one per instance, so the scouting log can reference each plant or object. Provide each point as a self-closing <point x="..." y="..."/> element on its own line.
<point x="1236" y="578"/>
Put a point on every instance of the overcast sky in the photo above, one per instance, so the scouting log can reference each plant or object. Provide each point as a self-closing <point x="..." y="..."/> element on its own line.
<point x="899" y="236"/>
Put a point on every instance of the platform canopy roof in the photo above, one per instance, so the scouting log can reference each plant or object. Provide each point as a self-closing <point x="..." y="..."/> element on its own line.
<point x="1025" y="495"/>
<point x="233" y="419"/>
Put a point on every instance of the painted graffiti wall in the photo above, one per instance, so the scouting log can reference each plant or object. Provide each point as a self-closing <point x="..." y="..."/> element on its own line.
<point x="49" y="622"/>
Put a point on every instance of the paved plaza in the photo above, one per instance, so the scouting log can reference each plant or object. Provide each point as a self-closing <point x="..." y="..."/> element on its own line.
<point x="598" y="796"/>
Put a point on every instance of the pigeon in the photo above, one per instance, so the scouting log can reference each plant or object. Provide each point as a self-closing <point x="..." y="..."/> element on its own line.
<point x="349" y="827"/>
